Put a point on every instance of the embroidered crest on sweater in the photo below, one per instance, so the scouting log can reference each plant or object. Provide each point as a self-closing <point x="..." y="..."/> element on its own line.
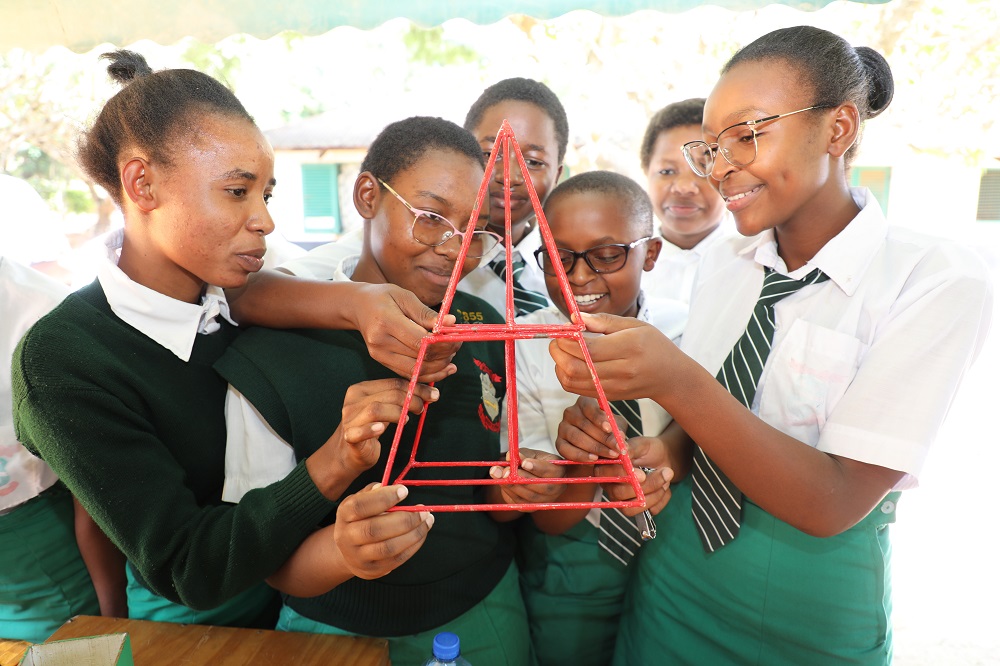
<point x="489" y="408"/>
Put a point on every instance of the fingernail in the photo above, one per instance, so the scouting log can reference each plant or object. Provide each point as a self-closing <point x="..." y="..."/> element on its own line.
<point x="591" y="456"/>
<point x="435" y="394"/>
<point x="378" y="427"/>
<point x="429" y="519"/>
<point x="402" y="492"/>
<point x="376" y="486"/>
<point x="527" y="465"/>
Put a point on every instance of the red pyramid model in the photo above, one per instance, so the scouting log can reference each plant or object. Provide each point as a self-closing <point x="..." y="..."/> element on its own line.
<point x="508" y="332"/>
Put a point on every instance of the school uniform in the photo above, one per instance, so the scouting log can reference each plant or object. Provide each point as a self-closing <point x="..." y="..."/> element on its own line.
<point x="286" y="392"/>
<point x="673" y="276"/>
<point x="572" y="588"/>
<point x="43" y="579"/>
<point x="115" y="390"/>
<point x="865" y="366"/>
<point x="322" y="263"/>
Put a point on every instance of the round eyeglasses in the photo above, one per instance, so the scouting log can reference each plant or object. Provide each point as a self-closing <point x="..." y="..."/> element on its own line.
<point x="737" y="144"/>
<point x="433" y="230"/>
<point x="601" y="259"/>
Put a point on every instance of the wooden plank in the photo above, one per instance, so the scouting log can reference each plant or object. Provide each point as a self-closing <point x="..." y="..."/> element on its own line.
<point x="167" y="644"/>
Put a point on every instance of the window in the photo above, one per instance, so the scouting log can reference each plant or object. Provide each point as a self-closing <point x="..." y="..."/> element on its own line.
<point x="321" y="198"/>
<point x="875" y="179"/>
<point x="989" y="196"/>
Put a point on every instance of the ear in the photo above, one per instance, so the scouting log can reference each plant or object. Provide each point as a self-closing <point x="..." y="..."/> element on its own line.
<point x="844" y="130"/>
<point x="367" y="193"/>
<point x="653" y="247"/>
<point x="559" y="173"/>
<point x="138" y="179"/>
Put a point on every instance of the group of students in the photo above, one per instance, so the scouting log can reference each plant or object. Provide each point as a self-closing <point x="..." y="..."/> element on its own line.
<point x="221" y="445"/>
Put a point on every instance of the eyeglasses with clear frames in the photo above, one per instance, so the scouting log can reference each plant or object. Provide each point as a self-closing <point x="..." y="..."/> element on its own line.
<point x="433" y="230"/>
<point x="601" y="259"/>
<point x="737" y="144"/>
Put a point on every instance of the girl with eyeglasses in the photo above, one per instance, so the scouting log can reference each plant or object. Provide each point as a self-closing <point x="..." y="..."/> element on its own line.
<point x="819" y="361"/>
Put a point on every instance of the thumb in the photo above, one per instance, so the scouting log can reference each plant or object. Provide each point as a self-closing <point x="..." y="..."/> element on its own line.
<point x="416" y="311"/>
<point x="605" y="323"/>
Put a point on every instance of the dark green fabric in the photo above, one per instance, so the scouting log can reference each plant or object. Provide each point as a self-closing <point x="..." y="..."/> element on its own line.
<point x="139" y="437"/>
<point x="298" y="379"/>
<point x="774" y="596"/>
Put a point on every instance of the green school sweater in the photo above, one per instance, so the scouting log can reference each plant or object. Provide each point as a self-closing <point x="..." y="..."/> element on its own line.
<point x="139" y="436"/>
<point x="298" y="379"/>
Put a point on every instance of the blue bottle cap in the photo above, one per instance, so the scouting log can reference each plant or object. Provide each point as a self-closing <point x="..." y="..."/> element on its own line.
<point x="446" y="646"/>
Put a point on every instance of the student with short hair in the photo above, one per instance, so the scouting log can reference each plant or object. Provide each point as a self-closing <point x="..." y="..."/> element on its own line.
<point x="573" y="587"/>
<point x="417" y="183"/>
<point x="692" y="215"/>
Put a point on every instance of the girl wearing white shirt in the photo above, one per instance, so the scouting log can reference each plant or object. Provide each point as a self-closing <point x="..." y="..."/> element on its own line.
<point x="866" y="356"/>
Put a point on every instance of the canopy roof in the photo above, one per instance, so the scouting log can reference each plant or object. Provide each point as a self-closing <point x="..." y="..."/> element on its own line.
<point x="83" y="24"/>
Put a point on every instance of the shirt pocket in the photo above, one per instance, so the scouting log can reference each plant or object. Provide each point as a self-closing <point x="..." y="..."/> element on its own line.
<point x="808" y="373"/>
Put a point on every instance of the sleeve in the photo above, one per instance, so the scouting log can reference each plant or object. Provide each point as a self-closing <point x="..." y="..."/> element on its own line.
<point x="892" y="410"/>
<point x="256" y="456"/>
<point x="188" y="551"/>
<point x="540" y="398"/>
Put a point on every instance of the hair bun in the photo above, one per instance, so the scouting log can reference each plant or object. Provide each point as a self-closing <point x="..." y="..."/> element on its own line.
<point x="880" y="83"/>
<point x="126" y="66"/>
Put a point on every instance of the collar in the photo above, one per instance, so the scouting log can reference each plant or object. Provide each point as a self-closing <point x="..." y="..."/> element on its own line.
<point x="721" y="231"/>
<point x="845" y="257"/>
<point x="345" y="269"/>
<point x="171" y="323"/>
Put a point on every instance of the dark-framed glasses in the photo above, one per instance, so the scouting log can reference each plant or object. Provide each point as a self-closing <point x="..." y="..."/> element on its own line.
<point x="737" y="144"/>
<point x="601" y="259"/>
<point x="433" y="230"/>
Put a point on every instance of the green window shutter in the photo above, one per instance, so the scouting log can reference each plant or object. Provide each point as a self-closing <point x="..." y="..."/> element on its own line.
<point x="321" y="198"/>
<point x="875" y="179"/>
<point x="989" y="196"/>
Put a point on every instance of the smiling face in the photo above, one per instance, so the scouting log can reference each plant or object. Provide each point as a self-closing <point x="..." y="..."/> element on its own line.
<point x="583" y="220"/>
<point x="687" y="206"/>
<point x="789" y="181"/>
<point x="442" y="181"/>
<point x="206" y="213"/>
<point x="535" y="132"/>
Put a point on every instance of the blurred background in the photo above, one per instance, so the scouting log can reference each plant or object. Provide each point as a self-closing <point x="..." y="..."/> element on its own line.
<point x="932" y="160"/>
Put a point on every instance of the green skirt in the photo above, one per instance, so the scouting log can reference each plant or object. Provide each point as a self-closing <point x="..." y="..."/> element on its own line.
<point x="573" y="591"/>
<point x="494" y="632"/>
<point x="255" y="607"/>
<point x="773" y="596"/>
<point x="43" y="580"/>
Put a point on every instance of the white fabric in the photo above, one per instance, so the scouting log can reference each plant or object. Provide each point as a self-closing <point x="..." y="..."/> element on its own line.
<point x="25" y="295"/>
<point x="322" y="262"/>
<point x="256" y="456"/>
<point x="171" y="323"/>
<point x="865" y="365"/>
<point x="675" y="271"/>
<point x="541" y="400"/>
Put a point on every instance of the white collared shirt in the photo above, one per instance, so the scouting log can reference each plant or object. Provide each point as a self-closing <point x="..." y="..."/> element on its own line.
<point x="676" y="269"/>
<point x="866" y="365"/>
<point x="171" y="323"/>
<point x="25" y="296"/>
<point x="256" y="455"/>
<point x="541" y="399"/>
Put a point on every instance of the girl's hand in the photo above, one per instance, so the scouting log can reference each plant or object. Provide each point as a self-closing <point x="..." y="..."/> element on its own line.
<point x="534" y="465"/>
<point x="632" y="359"/>
<point x="655" y="486"/>
<point x="584" y="434"/>
<point x="354" y="446"/>
<point x="373" y="542"/>
<point x="393" y="321"/>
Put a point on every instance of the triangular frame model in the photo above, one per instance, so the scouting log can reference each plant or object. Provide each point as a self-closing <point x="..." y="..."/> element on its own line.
<point x="509" y="332"/>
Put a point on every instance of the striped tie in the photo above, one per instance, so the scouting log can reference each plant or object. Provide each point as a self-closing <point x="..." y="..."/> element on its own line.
<point x="525" y="300"/>
<point x="716" y="503"/>
<point x="619" y="535"/>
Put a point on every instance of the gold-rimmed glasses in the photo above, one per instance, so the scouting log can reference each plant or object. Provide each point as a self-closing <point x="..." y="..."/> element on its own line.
<point x="433" y="230"/>
<point x="737" y="144"/>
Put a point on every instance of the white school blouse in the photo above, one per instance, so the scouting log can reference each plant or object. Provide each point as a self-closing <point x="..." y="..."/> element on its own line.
<point x="675" y="271"/>
<point x="541" y="400"/>
<point x="865" y="365"/>
<point x="25" y="296"/>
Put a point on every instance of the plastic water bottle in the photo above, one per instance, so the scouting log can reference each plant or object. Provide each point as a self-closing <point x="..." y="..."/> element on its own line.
<point x="447" y="651"/>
